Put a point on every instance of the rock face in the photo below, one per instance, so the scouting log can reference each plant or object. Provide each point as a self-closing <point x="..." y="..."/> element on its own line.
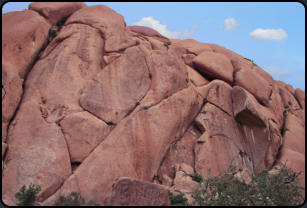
<point x="128" y="191"/>
<point x="122" y="114"/>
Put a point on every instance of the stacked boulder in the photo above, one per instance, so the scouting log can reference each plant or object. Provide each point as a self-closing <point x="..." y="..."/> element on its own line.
<point x="115" y="112"/>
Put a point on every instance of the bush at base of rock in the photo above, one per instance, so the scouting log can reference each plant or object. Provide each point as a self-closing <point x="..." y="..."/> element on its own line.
<point x="265" y="189"/>
<point x="178" y="199"/>
<point x="27" y="196"/>
<point x="74" y="199"/>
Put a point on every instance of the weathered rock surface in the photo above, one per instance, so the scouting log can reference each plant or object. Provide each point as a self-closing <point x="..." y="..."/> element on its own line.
<point x="214" y="65"/>
<point x="149" y="32"/>
<point x="122" y="114"/>
<point x="23" y="36"/>
<point x="133" y="192"/>
<point x="258" y="125"/>
<point x="56" y="11"/>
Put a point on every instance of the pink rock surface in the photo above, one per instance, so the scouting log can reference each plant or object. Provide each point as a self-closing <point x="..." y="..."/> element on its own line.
<point x="132" y="192"/>
<point x="254" y="83"/>
<point x="192" y="46"/>
<point x="83" y="132"/>
<point x="140" y="142"/>
<point x="4" y="146"/>
<point x="115" y="91"/>
<point x="221" y="141"/>
<point x="260" y="131"/>
<point x="180" y="152"/>
<point x="108" y="22"/>
<point x="214" y="65"/>
<point x="71" y="185"/>
<point x="149" y="32"/>
<point x="21" y="43"/>
<point x="37" y="154"/>
<point x="300" y="96"/>
<point x="294" y="134"/>
<point x="122" y="115"/>
<point x="296" y="162"/>
<point x="196" y="78"/>
<point x="55" y="11"/>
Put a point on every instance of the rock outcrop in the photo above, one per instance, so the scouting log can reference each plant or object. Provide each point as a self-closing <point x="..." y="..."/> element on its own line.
<point x="122" y="114"/>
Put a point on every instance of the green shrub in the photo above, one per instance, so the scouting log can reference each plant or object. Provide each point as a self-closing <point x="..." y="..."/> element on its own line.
<point x="265" y="189"/>
<point x="27" y="196"/>
<point x="178" y="199"/>
<point x="196" y="177"/>
<point x="145" y="107"/>
<point x="74" y="199"/>
<point x="61" y="22"/>
<point x="166" y="46"/>
<point x="52" y="32"/>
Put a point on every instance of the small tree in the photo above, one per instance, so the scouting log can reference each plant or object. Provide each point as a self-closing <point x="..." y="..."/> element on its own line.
<point x="27" y="196"/>
<point x="178" y="199"/>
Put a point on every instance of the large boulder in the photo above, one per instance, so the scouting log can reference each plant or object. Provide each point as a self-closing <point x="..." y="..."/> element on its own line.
<point x="83" y="132"/>
<point x="214" y="65"/>
<point x="56" y="11"/>
<point x="254" y="83"/>
<point x="300" y="96"/>
<point x="149" y="32"/>
<point x="180" y="153"/>
<point x="221" y="141"/>
<point x="37" y="154"/>
<point x="132" y="192"/>
<point x="140" y="142"/>
<point x="117" y="89"/>
<point x="110" y="24"/>
<point x="258" y="124"/>
<point x="122" y="115"/>
<point x="192" y="46"/>
<point x="24" y="34"/>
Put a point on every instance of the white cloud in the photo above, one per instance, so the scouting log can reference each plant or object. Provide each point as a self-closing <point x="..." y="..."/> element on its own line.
<point x="268" y="34"/>
<point x="230" y="24"/>
<point x="162" y="29"/>
<point x="277" y="72"/>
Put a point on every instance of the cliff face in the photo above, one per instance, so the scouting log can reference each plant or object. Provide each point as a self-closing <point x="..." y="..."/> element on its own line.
<point x="93" y="106"/>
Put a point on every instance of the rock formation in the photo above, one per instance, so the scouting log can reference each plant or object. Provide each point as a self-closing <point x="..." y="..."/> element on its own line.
<point x="93" y="106"/>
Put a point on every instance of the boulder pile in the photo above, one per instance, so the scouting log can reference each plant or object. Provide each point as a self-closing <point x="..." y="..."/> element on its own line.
<point x="121" y="114"/>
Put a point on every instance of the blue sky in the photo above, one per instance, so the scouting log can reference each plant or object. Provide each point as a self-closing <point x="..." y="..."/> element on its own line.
<point x="271" y="34"/>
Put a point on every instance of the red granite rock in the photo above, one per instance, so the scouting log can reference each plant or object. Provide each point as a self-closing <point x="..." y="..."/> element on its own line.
<point x="110" y="24"/>
<point x="300" y="96"/>
<point x="132" y="192"/>
<point x="24" y="34"/>
<point x="214" y="65"/>
<point x="258" y="127"/>
<point x="55" y="11"/>
<point x="113" y="112"/>
<point x="192" y="46"/>
<point x="149" y="32"/>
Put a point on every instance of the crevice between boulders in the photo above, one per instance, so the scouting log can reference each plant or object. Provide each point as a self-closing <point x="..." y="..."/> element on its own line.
<point x="3" y="96"/>
<point x="219" y="108"/>
<point x="60" y="127"/>
<point x="179" y="139"/>
<point x="58" y="41"/>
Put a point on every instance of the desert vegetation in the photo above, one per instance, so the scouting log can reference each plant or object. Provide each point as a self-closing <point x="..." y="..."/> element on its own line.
<point x="265" y="189"/>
